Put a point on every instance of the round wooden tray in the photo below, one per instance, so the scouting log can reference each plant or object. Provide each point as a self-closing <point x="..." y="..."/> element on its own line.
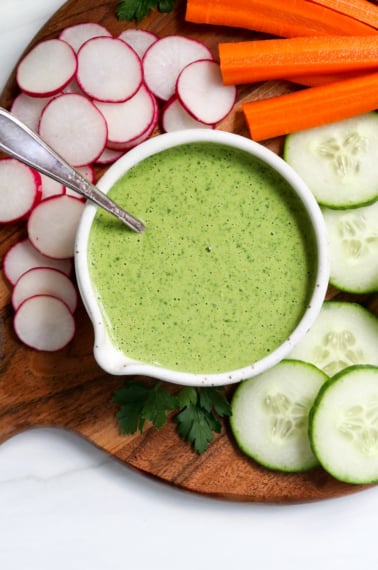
<point x="68" y="390"/>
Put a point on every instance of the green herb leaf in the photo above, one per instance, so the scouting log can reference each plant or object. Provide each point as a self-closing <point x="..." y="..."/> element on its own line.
<point x="198" y="410"/>
<point x="198" y="421"/>
<point x="210" y="398"/>
<point x="196" y="426"/>
<point x="139" y="403"/>
<point x="138" y="9"/>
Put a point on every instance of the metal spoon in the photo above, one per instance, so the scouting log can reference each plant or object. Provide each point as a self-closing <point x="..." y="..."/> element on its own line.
<point x="18" y="141"/>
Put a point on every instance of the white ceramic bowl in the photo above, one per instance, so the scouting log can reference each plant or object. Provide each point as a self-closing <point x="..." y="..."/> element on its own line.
<point x="116" y="362"/>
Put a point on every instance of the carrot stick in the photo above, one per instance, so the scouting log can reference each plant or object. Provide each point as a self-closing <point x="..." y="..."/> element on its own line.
<point x="286" y="18"/>
<point x="311" y="107"/>
<point x="322" y="79"/>
<point x="261" y="60"/>
<point x="360" y="10"/>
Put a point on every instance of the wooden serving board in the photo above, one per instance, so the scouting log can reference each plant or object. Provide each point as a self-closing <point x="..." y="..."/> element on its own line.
<point x="68" y="390"/>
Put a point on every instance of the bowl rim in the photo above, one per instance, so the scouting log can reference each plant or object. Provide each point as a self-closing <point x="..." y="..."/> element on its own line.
<point x="115" y="362"/>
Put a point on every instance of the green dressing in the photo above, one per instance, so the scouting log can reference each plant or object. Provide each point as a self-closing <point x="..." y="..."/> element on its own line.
<point x="223" y="272"/>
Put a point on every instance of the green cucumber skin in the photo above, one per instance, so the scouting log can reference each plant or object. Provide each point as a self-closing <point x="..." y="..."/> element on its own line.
<point x="303" y="354"/>
<point x="312" y="420"/>
<point x="347" y="205"/>
<point x="364" y="286"/>
<point x="353" y="291"/>
<point x="311" y="464"/>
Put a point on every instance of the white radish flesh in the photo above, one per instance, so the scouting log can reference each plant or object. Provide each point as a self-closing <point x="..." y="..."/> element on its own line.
<point x="166" y="58"/>
<point x="78" y="34"/>
<point x="109" y="155"/>
<point x="47" y="68"/>
<point x="20" y="190"/>
<point x="108" y="70"/>
<point x="140" y="40"/>
<point x="23" y="256"/>
<point x="28" y="109"/>
<point x="52" y="226"/>
<point x="144" y="136"/>
<point x="128" y="120"/>
<point x="45" y="281"/>
<point x="175" y="118"/>
<point x="201" y="92"/>
<point x="74" y="128"/>
<point x="44" y="323"/>
<point x="50" y="187"/>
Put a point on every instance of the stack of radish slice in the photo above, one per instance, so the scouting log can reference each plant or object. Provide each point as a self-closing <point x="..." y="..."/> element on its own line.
<point x="92" y="97"/>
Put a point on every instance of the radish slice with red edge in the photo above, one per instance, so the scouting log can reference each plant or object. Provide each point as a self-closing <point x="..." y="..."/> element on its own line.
<point x="50" y="187"/>
<point x="74" y="128"/>
<point x="73" y="87"/>
<point x="140" y="40"/>
<point x="78" y="34"/>
<point x="45" y="281"/>
<point x="166" y="58"/>
<point x="108" y="70"/>
<point x="175" y="118"/>
<point x="201" y="92"/>
<point x="128" y="120"/>
<point x="109" y="156"/>
<point x="23" y="256"/>
<point x="47" y="68"/>
<point x="20" y="190"/>
<point x="45" y="323"/>
<point x="144" y="136"/>
<point x="28" y="109"/>
<point x="52" y="226"/>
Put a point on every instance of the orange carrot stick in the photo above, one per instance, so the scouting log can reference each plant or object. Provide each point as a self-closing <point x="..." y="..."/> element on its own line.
<point x="261" y="60"/>
<point x="311" y="107"/>
<point x="322" y="79"/>
<point x="360" y="10"/>
<point x="286" y="18"/>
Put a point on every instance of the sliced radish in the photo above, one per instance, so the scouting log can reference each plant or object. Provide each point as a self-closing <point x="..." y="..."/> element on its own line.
<point x="140" y="40"/>
<point x="109" y="155"/>
<point x="50" y="187"/>
<point x="144" y="136"/>
<point x="175" y="118"/>
<point x="45" y="281"/>
<point x="88" y="173"/>
<point x="47" y="68"/>
<point x="28" y="109"/>
<point x="128" y="120"/>
<point x="52" y="226"/>
<point x="201" y="91"/>
<point x="74" y="127"/>
<point x="108" y="69"/>
<point x="23" y="256"/>
<point x="45" y="323"/>
<point x="166" y="58"/>
<point x="78" y="34"/>
<point x="20" y="190"/>
<point x="73" y="87"/>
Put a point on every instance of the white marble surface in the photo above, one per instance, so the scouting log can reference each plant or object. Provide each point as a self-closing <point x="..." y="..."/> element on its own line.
<point x="66" y="505"/>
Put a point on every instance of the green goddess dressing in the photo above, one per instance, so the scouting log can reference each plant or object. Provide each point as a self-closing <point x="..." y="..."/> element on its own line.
<point x="223" y="272"/>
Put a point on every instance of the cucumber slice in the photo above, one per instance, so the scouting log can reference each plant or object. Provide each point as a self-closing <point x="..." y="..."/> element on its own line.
<point x="338" y="161"/>
<point x="343" y="334"/>
<point x="270" y="416"/>
<point x="344" y="425"/>
<point x="353" y="248"/>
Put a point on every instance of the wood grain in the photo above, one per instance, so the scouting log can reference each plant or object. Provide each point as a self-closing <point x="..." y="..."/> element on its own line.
<point x="68" y="390"/>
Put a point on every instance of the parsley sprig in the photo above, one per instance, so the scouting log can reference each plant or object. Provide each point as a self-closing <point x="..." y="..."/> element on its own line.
<point x="138" y="9"/>
<point x="197" y="411"/>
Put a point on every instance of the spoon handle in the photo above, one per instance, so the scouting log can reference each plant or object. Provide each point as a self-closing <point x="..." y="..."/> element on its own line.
<point x="18" y="141"/>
